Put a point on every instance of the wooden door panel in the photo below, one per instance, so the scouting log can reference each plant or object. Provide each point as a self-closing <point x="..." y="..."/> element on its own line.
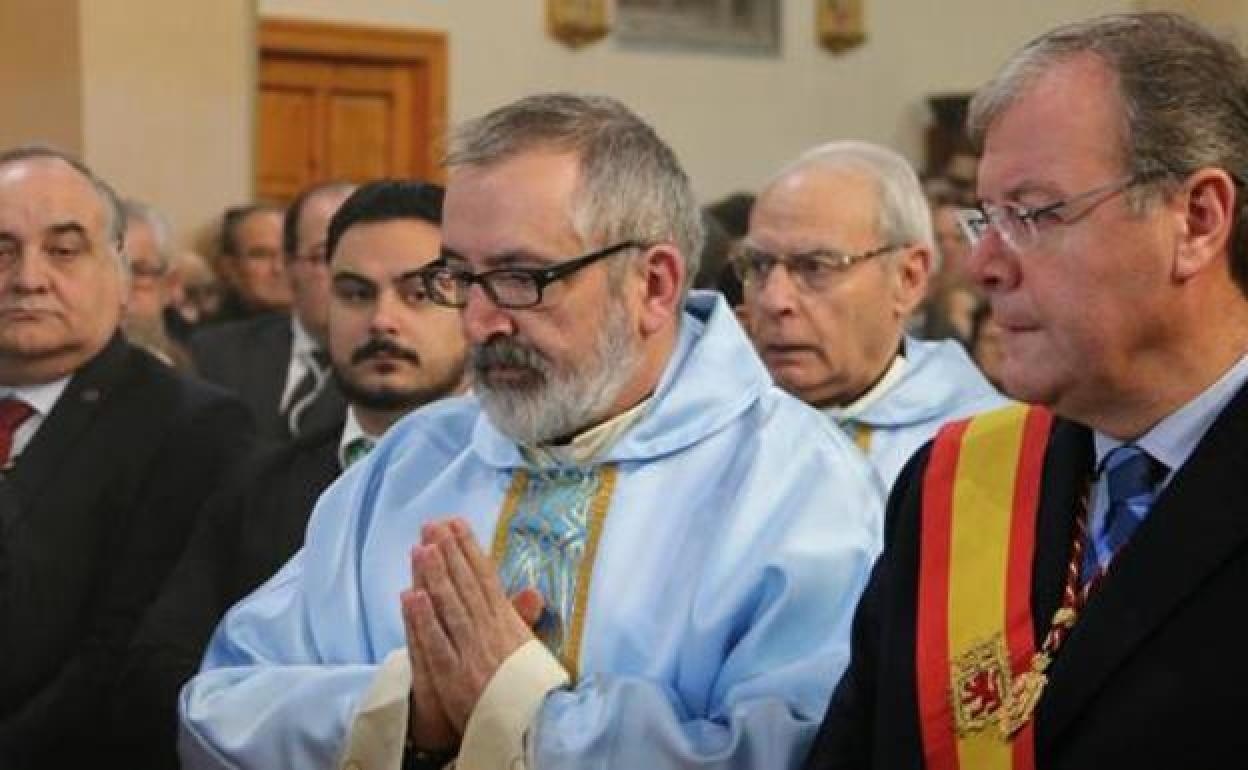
<point x="364" y="106"/>
<point x="369" y="122"/>
<point x="361" y="137"/>
<point x="285" y="152"/>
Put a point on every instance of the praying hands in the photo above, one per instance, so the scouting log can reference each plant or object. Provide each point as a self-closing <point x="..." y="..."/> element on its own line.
<point x="460" y="627"/>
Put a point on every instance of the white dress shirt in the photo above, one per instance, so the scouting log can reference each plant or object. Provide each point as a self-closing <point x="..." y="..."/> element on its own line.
<point x="41" y="398"/>
<point x="302" y="346"/>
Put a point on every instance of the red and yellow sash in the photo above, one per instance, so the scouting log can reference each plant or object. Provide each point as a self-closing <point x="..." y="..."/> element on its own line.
<point x="974" y="635"/>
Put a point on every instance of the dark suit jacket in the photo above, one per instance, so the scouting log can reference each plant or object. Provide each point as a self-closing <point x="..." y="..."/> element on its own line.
<point x="92" y="517"/>
<point x="1154" y="673"/>
<point x="251" y="358"/>
<point x="245" y="534"/>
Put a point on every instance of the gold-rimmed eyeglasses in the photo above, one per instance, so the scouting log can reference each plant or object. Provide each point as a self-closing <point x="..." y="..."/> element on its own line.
<point x="813" y="270"/>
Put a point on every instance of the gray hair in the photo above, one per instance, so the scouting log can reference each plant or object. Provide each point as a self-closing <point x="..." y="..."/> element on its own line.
<point x="114" y="216"/>
<point x="631" y="188"/>
<point x="1184" y="93"/>
<point x="162" y="232"/>
<point x="903" y="215"/>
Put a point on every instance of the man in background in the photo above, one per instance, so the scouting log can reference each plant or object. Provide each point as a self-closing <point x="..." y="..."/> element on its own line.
<point x="106" y="456"/>
<point x="393" y="351"/>
<point x="249" y="260"/>
<point x="836" y="260"/>
<point x="149" y="249"/>
<point x="277" y="363"/>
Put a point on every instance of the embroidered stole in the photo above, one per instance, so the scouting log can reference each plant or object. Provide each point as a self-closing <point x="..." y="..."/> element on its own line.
<point x="547" y="538"/>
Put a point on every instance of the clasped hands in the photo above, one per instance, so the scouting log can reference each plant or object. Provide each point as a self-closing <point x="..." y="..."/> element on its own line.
<point x="460" y="627"/>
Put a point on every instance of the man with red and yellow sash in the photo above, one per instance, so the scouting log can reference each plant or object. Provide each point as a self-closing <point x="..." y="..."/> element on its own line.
<point x="1062" y="583"/>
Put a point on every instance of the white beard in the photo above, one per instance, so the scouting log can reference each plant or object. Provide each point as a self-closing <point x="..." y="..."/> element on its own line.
<point x="564" y="401"/>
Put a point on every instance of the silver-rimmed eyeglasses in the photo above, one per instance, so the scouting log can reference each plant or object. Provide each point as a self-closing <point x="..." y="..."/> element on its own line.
<point x="813" y="270"/>
<point x="1021" y="226"/>
<point x="510" y="287"/>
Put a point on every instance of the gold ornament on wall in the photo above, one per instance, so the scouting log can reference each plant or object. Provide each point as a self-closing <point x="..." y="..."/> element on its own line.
<point x="577" y="22"/>
<point x="841" y="24"/>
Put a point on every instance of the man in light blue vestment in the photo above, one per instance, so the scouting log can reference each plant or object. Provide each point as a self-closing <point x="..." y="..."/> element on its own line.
<point x="849" y="224"/>
<point x="696" y="538"/>
<point x="932" y="383"/>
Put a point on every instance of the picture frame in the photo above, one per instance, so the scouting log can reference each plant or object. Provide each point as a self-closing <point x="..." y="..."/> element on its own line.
<point x="576" y="23"/>
<point x="724" y="26"/>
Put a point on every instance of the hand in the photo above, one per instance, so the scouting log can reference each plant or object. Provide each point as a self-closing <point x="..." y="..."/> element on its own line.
<point x="464" y="623"/>
<point x="428" y="727"/>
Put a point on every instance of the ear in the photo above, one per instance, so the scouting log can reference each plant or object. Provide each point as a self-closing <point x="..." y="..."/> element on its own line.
<point x="1206" y="205"/>
<point x="663" y="276"/>
<point x="913" y="269"/>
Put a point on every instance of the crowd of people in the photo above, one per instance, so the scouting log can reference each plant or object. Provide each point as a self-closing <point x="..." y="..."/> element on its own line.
<point x="552" y="467"/>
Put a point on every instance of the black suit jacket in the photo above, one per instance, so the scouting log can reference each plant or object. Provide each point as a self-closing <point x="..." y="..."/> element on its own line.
<point x="92" y="516"/>
<point x="251" y="358"/>
<point x="245" y="534"/>
<point x="1154" y="673"/>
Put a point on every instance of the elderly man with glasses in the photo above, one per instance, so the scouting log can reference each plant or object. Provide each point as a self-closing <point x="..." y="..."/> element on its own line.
<point x="658" y="551"/>
<point x="835" y="261"/>
<point x="1063" y="583"/>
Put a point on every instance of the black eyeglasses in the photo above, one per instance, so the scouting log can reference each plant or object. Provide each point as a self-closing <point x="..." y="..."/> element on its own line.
<point x="510" y="287"/>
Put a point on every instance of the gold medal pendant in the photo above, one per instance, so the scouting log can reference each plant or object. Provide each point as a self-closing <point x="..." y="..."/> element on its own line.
<point x="1025" y="693"/>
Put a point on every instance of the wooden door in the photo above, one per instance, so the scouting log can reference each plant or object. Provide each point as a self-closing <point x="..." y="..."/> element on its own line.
<point x="346" y="103"/>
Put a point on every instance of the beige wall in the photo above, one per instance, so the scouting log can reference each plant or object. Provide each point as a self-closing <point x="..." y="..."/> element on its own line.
<point x="1229" y="16"/>
<point x="39" y="74"/>
<point x="732" y="119"/>
<point x="158" y="95"/>
<point x="167" y="102"/>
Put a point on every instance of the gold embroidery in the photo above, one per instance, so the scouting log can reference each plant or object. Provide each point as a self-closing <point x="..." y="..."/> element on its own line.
<point x="862" y="436"/>
<point x="597" y="516"/>
<point x="569" y="656"/>
<point x="519" y="482"/>
<point x="981" y="686"/>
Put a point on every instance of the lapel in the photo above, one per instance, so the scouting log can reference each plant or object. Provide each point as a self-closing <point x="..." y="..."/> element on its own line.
<point x="271" y="360"/>
<point x="89" y="389"/>
<point x="1066" y="464"/>
<point x="1195" y="525"/>
<point x="328" y="409"/>
<point x="265" y="358"/>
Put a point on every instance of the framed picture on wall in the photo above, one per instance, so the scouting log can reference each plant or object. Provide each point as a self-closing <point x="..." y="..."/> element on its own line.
<point x="735" y="26"/>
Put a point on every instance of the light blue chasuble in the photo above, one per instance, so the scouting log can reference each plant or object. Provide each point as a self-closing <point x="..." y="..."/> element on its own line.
<point x="937" y="383"/>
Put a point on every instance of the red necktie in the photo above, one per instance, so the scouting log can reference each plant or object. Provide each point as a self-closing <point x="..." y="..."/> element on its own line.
<point x="13" y="412"/>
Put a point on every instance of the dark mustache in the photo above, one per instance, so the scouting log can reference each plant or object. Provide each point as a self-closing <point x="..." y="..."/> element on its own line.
<point x="502" y="351"/>
<point x="379" y="345"/>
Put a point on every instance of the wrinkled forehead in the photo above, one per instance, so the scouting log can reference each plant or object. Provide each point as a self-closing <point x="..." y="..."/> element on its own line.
<point x="523" y="203"/>
<point x="817" y="208"/>
<point x="38" y="194"/>
<point x="1064" y="128"/>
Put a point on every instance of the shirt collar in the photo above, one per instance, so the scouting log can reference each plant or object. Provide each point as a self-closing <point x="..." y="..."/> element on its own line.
<point x="302" y="341"/>
<point x="581" y="450"/>
<point x="876" y="392"/>
<point x="351" y="431"/>
<point x="40" y="397"/>
<point x="1174" y="438"/>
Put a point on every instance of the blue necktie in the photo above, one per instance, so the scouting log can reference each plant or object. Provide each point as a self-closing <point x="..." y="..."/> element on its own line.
<point x="1132" y="475"/>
